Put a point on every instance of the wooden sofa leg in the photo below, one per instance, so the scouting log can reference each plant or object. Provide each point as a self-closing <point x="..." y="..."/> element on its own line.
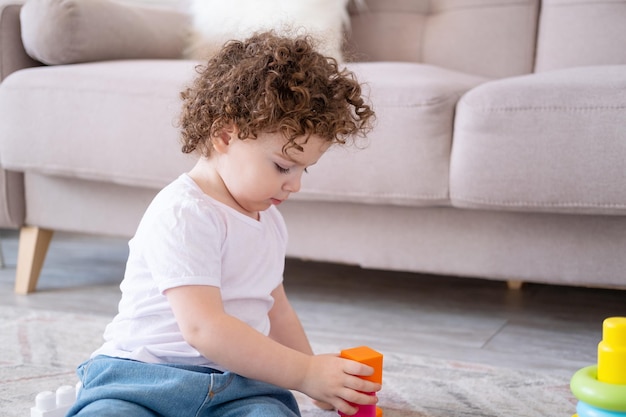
<point x="33" y="245"/>
<point x="514" y="284"/>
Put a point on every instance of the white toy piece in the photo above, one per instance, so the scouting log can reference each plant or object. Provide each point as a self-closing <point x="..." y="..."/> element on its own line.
<point x="50" y="404"/>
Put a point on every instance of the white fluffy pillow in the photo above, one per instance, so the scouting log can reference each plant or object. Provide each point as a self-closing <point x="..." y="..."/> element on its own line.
<point x="215" y="22"/>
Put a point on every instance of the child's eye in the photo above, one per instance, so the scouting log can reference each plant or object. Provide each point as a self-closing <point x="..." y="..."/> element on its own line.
<point x="281" y="169"/>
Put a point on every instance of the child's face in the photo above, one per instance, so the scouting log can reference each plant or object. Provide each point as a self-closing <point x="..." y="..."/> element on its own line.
<point x="257" y="174"/>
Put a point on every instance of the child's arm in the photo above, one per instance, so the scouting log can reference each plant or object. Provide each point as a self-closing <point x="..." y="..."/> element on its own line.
<point x="287" y="329"/>
<point x="240" y="348"/>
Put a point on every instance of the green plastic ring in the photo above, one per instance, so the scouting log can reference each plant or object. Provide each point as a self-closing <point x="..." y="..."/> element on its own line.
<point x="586" y="387"/>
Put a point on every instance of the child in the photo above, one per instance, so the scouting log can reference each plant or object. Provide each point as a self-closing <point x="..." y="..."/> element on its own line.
<point x="204" y="326"/>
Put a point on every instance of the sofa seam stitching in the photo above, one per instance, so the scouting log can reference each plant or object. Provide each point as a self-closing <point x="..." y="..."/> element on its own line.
<point x="519" y="203"/>
<point x="546" y="108"/>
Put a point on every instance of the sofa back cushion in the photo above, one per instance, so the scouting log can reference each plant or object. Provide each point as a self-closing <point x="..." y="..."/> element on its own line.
<point x="581" y="33"/>
<point x="492" y="38"/>
<point x="58" y="32"/>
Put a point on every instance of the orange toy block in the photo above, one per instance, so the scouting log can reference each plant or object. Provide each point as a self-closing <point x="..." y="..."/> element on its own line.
<point x="368" y="357"/>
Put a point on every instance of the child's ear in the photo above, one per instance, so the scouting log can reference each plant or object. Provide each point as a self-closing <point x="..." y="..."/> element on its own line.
<point x="223" y="138"/>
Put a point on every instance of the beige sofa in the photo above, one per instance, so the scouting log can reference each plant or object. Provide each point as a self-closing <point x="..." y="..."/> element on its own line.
<point x="499" y="150"/>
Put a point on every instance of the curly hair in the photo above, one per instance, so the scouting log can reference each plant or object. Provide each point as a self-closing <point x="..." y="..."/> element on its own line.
<point x="270" y="83"/>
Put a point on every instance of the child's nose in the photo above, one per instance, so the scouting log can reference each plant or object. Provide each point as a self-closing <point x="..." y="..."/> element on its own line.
<point x="293" y="184"/>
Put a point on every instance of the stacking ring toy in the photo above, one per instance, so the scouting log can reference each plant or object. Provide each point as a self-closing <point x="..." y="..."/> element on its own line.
<point x="586" y="387"/>
<point x="585" y="410"/>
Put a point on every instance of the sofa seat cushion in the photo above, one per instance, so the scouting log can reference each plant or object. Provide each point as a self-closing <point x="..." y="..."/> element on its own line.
<point x="405" y="159"/>
<point x="109" y="121"/>
<point x="116" y="122"/>
<point x="548" y="142"/>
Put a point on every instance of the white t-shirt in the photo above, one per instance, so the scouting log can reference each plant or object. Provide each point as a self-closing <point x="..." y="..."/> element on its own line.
<point x="188" y="238"/>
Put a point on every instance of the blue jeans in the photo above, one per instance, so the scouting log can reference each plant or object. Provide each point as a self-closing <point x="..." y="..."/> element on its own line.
<point x="121" y="387"/>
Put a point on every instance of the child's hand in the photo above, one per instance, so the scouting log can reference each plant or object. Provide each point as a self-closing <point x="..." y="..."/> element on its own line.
<point x="335" y="381"/>
<point x="323" y="405"/>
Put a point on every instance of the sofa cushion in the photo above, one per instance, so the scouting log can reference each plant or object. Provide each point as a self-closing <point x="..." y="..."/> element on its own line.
<point x="405" y="159"/>
<point x="71" y="31"/>
<point x="492" y="38"/>
<point x="581" y="32"/>
<point x="115" y="122"/>
<point x="109" y="121"/>
<point x="548" y="142"/>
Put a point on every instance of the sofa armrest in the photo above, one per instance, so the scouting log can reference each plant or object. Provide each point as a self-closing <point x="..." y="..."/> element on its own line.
<point x="12" y="54"/>
<point x="12" y="58"/>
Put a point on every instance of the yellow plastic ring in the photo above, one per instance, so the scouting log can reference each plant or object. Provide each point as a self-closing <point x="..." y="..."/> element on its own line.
<point x="586" y="387"/>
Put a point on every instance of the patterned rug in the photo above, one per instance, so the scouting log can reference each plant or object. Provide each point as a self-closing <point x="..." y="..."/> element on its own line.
<point x="40" y="350"/>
